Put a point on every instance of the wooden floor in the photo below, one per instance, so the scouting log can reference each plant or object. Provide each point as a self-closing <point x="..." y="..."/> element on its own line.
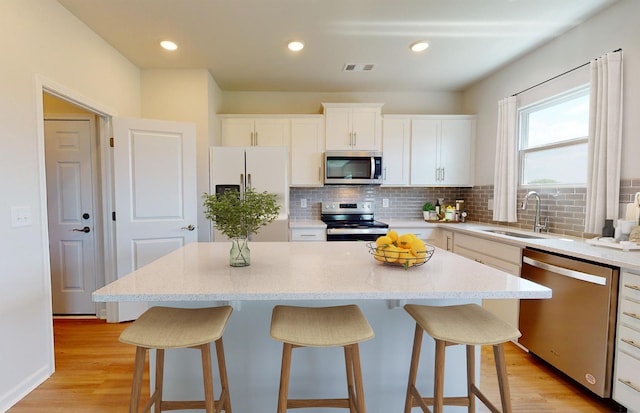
<point x="93" y="374"/>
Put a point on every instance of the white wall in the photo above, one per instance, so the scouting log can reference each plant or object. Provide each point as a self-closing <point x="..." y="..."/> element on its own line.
<point x="188" y="96"/>
<point x="615" y="27"/>
<point x="311" y="103"/>
<point x="40" y="38"/>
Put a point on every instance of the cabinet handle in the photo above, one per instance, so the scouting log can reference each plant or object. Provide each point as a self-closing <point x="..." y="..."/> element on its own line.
<point x="256" y="139"/>
<point x="320" y="173"/>
<point x="242" y="182"/>
<point x="633" y="287"/>
<point x="442" y="179"/>
<point x="632" y="315"/>
<point x="249" y="180"/>
<point x="437" y="174"/>
<point x="251" y="144"/>
<point x="355" y="138"/>
<point x="630" y="384"/>
<point x="631" y="342"/>
<point x="307" y="235"/>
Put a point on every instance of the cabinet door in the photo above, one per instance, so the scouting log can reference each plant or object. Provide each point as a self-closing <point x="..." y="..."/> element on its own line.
<point x="338" y="128"/>
<point x="271" y="132"/>
<point x="424" y="151"/>
<point x="396" y="151"/>
<point x="236" y="131"/>
<point x="456" y="141"/>
<point x="307" y="152"/>
<point x="365" y="126"/>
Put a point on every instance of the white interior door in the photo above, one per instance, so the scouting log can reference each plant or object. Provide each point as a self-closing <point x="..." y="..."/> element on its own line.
<point x="155" y="194"/>
<point x="70" y="215"/>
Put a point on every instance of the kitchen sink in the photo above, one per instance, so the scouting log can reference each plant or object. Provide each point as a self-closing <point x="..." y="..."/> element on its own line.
<point x="512" y="234"/>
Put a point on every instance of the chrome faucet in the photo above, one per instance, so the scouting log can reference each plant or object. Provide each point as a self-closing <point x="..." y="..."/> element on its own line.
<point x="537" y="225"/>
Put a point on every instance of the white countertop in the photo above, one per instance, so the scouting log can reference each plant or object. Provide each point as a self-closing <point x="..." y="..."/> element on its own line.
<point x="310" y="270"/>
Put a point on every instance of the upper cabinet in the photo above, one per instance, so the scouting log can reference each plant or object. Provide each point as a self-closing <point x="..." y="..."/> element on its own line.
<point x="307" y="150"/>
<point x="442" y="150"/>
<point x="396" y="150"/>
<point x="237" y="130"/>
<point x="353" y="126"/>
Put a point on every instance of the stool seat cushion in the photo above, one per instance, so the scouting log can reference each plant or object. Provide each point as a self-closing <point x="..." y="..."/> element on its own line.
<point x="462" y="324"/>
<point x="169" y="327"/>
<point x="320" y="326"/>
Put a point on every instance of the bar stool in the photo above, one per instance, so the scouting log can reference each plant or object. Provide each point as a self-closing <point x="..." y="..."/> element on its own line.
<point x="163" y="328"/>
<point x="343" y="326"/>
<point x="468" y="325"/>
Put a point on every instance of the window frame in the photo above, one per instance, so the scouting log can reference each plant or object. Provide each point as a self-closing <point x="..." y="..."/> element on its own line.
<point x="523" y="133"/>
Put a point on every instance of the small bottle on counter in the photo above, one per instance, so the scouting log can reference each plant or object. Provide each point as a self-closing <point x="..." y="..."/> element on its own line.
<point x="438" y="207"/>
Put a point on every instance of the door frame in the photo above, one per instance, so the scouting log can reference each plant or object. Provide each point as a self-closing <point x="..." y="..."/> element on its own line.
<point x="104" y="174"/>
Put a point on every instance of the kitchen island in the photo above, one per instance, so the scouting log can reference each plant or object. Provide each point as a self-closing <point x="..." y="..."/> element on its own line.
<point x="312" y="273"/>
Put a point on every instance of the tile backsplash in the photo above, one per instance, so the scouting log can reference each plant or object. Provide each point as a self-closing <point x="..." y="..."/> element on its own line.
<point x="564" y="206"/>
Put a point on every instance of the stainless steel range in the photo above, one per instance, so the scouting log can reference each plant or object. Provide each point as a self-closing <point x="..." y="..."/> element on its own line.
<point x="351" y="221"/>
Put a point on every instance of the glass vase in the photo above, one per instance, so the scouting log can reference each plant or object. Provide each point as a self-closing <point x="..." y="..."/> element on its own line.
<point x="239" y="255"/>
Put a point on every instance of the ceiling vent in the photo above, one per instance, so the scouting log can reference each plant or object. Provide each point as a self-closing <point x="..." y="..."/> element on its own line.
<point x="358" y="67"/>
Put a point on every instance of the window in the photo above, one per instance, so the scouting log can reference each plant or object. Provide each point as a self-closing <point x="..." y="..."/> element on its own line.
<point x="553" y="140"/>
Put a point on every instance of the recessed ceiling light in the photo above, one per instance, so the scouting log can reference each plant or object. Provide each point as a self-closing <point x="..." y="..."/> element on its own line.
<point x="419" y="46"/>
<point x="295" y="46"/>
<point x="168" y="45"/>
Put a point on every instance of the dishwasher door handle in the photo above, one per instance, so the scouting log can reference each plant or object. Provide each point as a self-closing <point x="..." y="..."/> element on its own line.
<point x="578" y="275"/>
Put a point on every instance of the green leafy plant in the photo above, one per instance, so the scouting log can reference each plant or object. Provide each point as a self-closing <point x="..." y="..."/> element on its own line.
<point x="237" y="214"/>
<point x="428" y="207"/>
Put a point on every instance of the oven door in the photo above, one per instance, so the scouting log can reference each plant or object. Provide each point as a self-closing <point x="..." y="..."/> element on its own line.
<point x="351" y="234"/>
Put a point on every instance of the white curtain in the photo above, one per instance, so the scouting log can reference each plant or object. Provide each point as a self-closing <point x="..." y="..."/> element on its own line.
<point x="605" y="141"/>
<point x="505" y="178"/>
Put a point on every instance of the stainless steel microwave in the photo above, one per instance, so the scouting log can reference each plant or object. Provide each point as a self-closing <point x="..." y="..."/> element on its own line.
<point x="352" y="168"/>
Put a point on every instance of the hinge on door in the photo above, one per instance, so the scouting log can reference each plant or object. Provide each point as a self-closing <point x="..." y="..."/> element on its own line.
<point x="111" y="142"/>
<point x="113" y="216"/>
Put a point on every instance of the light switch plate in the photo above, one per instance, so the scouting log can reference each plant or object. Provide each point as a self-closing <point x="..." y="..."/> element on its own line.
<point x="303" y="202"/>
<point x="385" y="203"/>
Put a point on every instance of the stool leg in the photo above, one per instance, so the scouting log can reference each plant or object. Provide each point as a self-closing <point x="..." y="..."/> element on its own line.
<point x="136" y="385"/>
<point x="285" y="372"/>
<point x="351" y="392"/>
<point x="356" y="370"/>
<point x="157" y="393"/>
<point x="205" y="349"/>
<point x="471" y="378"/>
<point x="413" y="371"/>
<point x="438" y="390"/>
<point x="503" y="380"/>
<point x="224" y="381"/>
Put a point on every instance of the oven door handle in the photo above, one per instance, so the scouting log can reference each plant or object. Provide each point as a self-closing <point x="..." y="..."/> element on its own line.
<point x="578" y="275"/>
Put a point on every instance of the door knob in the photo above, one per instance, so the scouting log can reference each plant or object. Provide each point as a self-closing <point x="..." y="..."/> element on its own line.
<point x="85" y="229"/>
<point x="189" y="227"/>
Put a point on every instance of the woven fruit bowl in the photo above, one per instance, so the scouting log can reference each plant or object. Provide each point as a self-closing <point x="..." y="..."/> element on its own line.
<point x="400" y="257"/>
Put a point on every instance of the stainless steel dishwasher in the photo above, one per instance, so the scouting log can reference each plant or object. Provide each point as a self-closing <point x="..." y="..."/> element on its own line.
<point x="575" y="329"/>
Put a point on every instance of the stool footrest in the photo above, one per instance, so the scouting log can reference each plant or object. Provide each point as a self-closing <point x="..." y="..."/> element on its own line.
<point x="302" y="403"/>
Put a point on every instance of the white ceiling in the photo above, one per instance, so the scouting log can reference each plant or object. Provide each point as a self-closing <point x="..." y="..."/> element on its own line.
<point x="243" y="42"/>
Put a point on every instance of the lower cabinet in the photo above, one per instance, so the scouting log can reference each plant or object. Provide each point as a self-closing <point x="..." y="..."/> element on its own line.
<point x="498" y="255"/>
<point x="626" y="373"/>
<point x="308" y="234"/>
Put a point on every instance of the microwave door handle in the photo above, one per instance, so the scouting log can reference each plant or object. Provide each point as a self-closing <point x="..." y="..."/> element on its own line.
<point x="373" y="167"/>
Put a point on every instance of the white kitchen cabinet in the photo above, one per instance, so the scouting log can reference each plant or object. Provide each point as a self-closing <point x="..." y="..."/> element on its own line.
<point x="442" y="150"/>
<point x="238" y="130"/>
<point x="396" y="150"/>
<point x="307" y="151"/>
<point x="626" y="373"/>
<point x="350" y="126"/>
<point x="446" y="239"/>
<point x="507" y="258"/>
